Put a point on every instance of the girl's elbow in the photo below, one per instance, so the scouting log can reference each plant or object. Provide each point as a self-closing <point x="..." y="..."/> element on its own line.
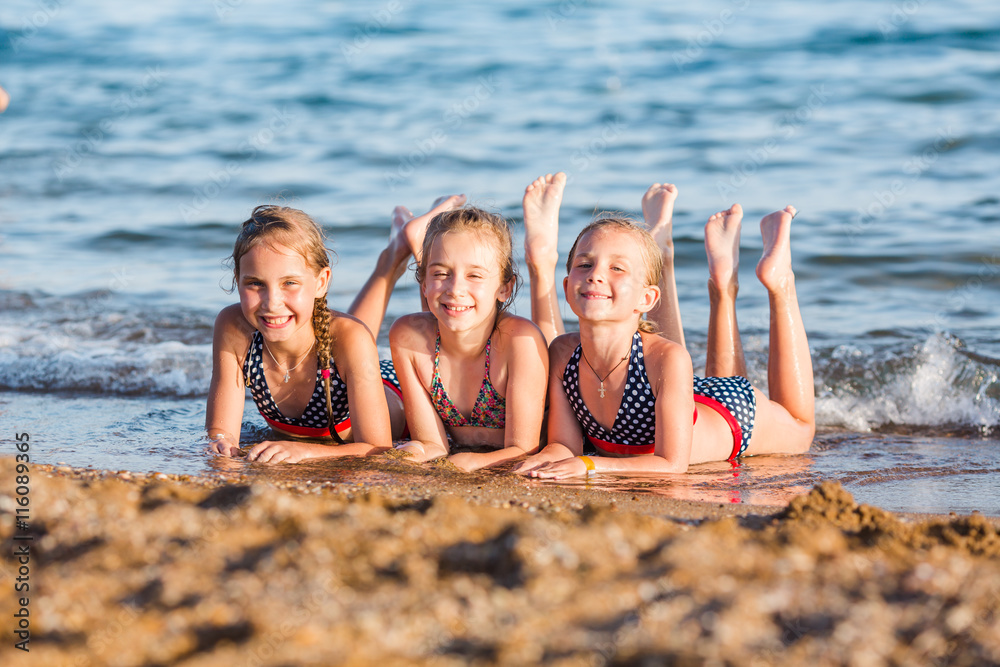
<point x="673" y="466"/>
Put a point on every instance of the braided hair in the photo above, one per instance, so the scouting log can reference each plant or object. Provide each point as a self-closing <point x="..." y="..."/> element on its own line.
<point x="290" y="227"/>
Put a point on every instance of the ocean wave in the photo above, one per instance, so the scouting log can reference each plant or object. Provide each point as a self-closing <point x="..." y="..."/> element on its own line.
<point x="937" y="383"/>
<point x="100" y="343"/>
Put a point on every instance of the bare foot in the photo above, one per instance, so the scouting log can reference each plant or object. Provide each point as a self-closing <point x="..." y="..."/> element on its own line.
<point x="4" y="100"/>
<point x="658" y="212"/>
<point x="775" y="266"/>
<point x="722" y="245"/>
<point x="542" y="199"/>
<point x="415" y="228"/>
<point x="398" y="250"/>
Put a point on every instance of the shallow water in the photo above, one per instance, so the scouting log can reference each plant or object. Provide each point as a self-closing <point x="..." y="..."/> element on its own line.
<point x="139" y="138"/>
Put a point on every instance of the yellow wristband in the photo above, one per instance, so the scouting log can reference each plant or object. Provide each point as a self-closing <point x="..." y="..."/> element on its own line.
<point x="589" y="462"/>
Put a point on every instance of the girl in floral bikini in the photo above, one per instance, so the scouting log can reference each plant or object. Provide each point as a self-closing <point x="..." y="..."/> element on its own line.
<point x="459" y="361"/>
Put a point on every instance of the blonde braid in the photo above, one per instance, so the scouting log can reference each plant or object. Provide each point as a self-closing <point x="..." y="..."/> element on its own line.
<point x="324" y="350"/>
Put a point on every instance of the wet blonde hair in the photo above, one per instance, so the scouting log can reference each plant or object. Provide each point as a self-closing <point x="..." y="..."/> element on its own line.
<point x="649" y="252"/>
<point x="490" y="227"/>
<point x="280" y="225"/>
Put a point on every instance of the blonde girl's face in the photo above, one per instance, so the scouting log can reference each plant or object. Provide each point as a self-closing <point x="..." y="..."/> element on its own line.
<point x="277" y="289"/>
<point x="462" y="281"/>
<point x="607" y="278"/>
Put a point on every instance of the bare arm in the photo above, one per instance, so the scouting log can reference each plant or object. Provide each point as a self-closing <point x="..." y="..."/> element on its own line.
<point x="527" y="361"/>
<point x="565" y="436"/>
<point x="227" y="393"/>
<point x="408" y="340"/>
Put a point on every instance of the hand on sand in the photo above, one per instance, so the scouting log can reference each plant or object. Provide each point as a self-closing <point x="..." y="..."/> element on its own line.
<point x="564" y="469"/>
<point x="223" y="447"/>
<point x="466" y="461"/>
<point x="287" y="452"/>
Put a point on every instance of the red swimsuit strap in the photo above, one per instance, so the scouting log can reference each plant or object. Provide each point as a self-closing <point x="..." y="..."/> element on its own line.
<point x="634" y="450"/>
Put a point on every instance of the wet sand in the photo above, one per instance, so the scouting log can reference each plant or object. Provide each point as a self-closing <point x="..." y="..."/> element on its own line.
<point x="421" y="565"/>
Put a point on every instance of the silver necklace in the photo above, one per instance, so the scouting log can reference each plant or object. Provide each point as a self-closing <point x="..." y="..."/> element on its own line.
<point x="602" y="379"/>
<point x="289" y="370"/>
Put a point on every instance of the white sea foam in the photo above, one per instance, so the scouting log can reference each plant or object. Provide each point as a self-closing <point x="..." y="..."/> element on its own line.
<point x="935" y="384"/>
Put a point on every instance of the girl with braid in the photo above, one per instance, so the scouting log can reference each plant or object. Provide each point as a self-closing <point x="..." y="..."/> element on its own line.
<point x="313" y="373"/>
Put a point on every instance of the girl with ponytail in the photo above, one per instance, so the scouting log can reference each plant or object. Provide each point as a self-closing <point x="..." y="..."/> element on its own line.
<point x="314" y="373"/>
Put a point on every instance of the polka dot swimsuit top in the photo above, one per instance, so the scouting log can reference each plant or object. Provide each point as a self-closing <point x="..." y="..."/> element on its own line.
<point x="635" y="423"/>
<point x="314" y="416"/>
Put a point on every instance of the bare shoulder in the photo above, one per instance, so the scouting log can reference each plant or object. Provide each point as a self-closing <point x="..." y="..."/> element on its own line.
<point x="348" y="329"/>
<point x="413" y="331"/>
<point x="512" y="327"/>
<point x="561" y="349"/>
<point x="232" y="329"/>
<point x="662" y="356"/>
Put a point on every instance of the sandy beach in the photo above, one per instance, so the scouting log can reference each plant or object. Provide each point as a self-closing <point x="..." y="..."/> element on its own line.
<point x="449" y="569"/>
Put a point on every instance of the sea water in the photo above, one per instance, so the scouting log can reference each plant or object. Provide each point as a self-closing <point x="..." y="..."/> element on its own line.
<point x="139" y="137"/>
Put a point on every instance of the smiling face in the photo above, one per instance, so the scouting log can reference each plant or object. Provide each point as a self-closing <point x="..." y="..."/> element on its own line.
<point x="462" y="281"/>
<point x="277" y="291"/>
<point x="608" y="278"/>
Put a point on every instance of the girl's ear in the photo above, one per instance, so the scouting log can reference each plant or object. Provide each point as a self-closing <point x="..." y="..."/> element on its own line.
<point x="322" y="281"/>
<point x="650" y="296"/>
<point x="505" y="291"/>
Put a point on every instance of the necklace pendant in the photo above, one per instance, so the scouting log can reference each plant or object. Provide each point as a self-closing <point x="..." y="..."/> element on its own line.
<point x="602" y="389"/>
<point x="287" y="377"/>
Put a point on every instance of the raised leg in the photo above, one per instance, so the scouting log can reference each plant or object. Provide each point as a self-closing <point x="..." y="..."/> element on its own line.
<point x="787" y="422"/>
<point x="414" y="231"/>
<point x="371" y="301"/>
<point x="724" y="356"/>
<point x="542" y="199"/>
<point x="405" y="239"/>
<point x="658" y="212"/>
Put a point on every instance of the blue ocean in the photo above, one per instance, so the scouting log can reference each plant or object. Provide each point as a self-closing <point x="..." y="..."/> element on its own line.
<point x="139" y="136"/>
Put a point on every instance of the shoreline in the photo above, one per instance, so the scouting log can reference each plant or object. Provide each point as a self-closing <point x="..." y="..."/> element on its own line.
<point x="143" y="568"/>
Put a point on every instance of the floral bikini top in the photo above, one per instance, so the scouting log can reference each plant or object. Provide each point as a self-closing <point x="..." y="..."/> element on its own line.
<point x="489" y="410"/>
